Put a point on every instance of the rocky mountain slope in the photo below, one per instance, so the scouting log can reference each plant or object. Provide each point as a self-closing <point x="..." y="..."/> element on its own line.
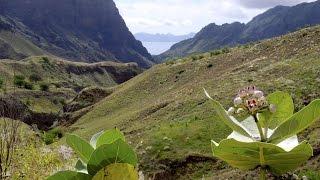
<point x="79" y="30"/>
<point x="64" y="79"/>
<point x="167" y="118"/>
<point x="274" y="22"/>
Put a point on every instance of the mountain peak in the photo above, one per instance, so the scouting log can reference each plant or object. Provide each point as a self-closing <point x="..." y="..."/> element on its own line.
<point x="81" y="30"/>
<point x="274" y="22"/>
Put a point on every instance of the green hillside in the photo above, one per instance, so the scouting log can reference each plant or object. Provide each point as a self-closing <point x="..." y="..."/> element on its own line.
<point x="167" y="118"/>
<point x="48" y="84"/>
<point x="19" y="45"/>
<point x="65" y="74"/>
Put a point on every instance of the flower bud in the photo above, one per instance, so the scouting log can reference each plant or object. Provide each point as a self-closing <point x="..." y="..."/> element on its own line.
<point x="258" y="94"/>
<point x="237" y="101"/>
<point x="231" y="111"/>
<point x="272" y="108"/>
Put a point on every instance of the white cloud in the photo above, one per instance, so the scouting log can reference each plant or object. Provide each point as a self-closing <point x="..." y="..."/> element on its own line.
<point x="268" y="3"/>
<point x="184" y="16"/>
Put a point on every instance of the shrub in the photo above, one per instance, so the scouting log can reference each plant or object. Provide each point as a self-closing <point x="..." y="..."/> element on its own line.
<point x="170" y="62"/>
<point x="19" y="80"/>
<point x="28" y="85"/>
<point x="215" y="53"/>
<point x="46" y="60"/>
<point x="225" y="50"/>
<point x="57" y="85"/>
<point x="107" y="156"/>
<point x="59" y="100"/>
<point x="194" y="58"/>
<point x="267" y="139"/>
<point x="35" y="78"/>
<point x="34" y="160"/>
<point x="51" y="136"/>
<point x="9" y="141"/>
<point x="44" y="87"/>
<point x="246" y="46"/>
<point x="201" y="57"/>
<point x="1" y="82"/>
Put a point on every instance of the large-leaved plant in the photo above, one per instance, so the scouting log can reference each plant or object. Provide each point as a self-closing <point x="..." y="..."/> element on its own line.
<point x="107" y="156"/>
<point x="267" y="137"/>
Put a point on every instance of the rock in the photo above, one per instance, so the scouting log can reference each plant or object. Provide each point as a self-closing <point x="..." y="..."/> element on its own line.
<point x="304" y="178"/>
<point x="295" y="177"/>
<point x="141" y="175"/>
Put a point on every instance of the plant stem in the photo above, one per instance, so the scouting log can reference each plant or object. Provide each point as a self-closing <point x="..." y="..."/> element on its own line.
<point x="266" y="132"/>
<point x="263" y="139"/>
<point x="263" y="174"/>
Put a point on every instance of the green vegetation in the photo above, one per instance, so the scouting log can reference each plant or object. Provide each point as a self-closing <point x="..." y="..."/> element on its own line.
<point x="65" y="74"/>
<point x="249" y="146"/>
<point x="46" y="60"/>
<point x="163" y="111"/>
<point x="44" y="87"/>
<point x="169" y="119"/>
<point x="215" y="53"/>
<point x="107" y="156"/>
<point x="52" y="135"/>
<point x="1" y="82"/>
<point x="35" y="78"/>
<point x="28" y="85"/>
<point x="225" y="50"/>
<point x="19" y="80"/>
<point x="30" y="159"/>
<point x="44" y="104"/>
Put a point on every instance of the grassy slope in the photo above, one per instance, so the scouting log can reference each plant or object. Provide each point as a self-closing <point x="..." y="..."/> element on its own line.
<point x="64" y="73"/>
<point x="20" y="44"/>
<point x="166" y="116"/>
<point x="65" y="78"/>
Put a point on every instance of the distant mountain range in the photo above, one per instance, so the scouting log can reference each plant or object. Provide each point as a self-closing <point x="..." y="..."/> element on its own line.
<point x="77" y="30"/>
<point x="147" y="37"/>
<point x="274" y="22"/>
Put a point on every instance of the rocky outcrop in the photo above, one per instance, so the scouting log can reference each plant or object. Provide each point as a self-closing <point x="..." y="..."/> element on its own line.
<point x="82" y="103"/>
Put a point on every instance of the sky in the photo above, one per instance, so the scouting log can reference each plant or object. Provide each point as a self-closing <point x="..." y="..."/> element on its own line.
<point x="185" y="16"/>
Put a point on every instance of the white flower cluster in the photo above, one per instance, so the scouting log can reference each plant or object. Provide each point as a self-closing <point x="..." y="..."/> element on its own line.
<point x="250" y="100"/>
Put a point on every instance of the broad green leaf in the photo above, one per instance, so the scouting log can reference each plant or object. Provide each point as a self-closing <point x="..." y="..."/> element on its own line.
<point x="80" y="147"/>
<point x="94" y="138"/>
<point x="109" y="137"/>
<point x="284" y="110"/>
<point x="118" y="171"/>
<point x="296" y="123"/>
<point x="70" y="175"/>
<point x="229" y="121"/>
<point x="81" y="167"/>
<point x="249" y="123"/>
<point x="117" y="152"/>
<point x="247" y="156"/>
